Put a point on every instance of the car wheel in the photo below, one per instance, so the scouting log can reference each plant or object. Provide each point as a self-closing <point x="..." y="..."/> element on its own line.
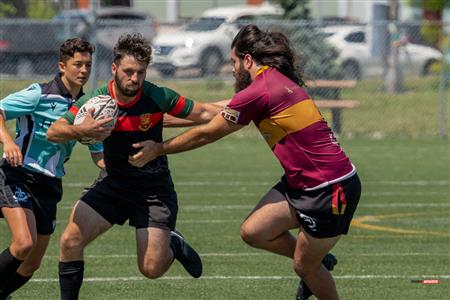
<point x="351" y="70"/>
<point x="427" y="69"/>
<point x="211" y="63"/>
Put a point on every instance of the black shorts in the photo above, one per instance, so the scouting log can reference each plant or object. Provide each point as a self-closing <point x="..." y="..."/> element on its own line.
<point x="145" y="202"/>
<point x="325" y="212"/>
<point x="40" y="193"/>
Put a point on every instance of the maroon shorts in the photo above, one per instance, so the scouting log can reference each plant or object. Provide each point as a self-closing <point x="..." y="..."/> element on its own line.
<point x="325" y="212"/>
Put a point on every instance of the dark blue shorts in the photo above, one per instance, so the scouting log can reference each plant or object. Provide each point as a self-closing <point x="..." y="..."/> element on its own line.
<point x="20" y="187"/>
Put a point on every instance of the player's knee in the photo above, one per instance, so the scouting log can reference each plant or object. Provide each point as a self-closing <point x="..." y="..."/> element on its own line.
<point x="249" y="236"/>
<point x="151" y="271"/>
<point x="22" y="247"/>
<point x="70" y="242"/>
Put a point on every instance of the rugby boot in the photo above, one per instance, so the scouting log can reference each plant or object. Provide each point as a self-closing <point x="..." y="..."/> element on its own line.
<point x="185" y="254"/>
<point x="303" y="291"/>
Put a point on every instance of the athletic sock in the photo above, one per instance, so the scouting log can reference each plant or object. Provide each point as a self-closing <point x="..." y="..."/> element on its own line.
<point x="15" y="283"/>
<point x="70" y="279"/>
<point x="8" y="266"/>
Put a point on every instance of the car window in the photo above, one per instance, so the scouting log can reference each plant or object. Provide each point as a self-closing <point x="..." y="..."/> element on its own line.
<point x="205" y="24"/>
<point x="356" y="37"/>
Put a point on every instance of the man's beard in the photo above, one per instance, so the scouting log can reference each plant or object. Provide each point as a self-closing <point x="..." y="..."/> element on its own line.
<point x="243" y="80"/>
<point x="123" y="89"/>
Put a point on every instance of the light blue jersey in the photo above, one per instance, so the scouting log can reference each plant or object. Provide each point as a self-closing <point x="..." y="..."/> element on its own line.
<point x="35" y="109"/>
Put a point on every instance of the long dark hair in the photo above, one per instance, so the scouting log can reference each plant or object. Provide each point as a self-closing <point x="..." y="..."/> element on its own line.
<point x="267" y="48"/>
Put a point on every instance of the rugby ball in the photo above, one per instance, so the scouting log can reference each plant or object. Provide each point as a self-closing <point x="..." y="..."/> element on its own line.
<point x="104" y="106"/>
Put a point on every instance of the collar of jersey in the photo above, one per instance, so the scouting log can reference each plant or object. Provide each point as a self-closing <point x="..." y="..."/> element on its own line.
<point x="64" y="91"/>
<point x="121" y="104"/>
<point x="261" y="70"/>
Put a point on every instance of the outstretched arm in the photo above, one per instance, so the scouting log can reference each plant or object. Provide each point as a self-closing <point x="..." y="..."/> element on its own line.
<point x="191" y="139"/>
<point x="200" y="114"/>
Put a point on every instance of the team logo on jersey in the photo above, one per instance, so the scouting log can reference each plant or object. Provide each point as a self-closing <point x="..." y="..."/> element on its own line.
<point x="146" y="122"/>
<point x="20" y="195"/>
<point x="230" y="114"/>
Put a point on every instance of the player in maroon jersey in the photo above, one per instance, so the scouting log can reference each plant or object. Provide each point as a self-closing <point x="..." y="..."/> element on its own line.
<point x="319" y="190"/>
<point x="143" y="194"/>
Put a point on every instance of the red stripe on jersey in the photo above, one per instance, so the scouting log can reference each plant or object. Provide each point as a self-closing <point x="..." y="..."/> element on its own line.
<point x="138" y="123"/>
<point x="178" y="107"/>
<point x="74" y="110"/>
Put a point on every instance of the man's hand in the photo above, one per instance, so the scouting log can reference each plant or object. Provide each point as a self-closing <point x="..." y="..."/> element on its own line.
<point x="96" y="129"/>
<point x="12" y="154"/>
<point x="148" y="152"/>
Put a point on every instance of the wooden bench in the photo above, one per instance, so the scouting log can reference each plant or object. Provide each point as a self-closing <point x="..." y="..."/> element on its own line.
<point x="335" y="103"/>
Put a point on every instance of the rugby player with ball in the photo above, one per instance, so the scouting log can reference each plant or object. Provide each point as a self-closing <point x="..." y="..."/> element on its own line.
<point x="143" y="194"/>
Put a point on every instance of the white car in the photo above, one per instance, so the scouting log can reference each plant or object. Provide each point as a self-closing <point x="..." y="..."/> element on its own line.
<point x="205" y="42"/>
<point x="357" y="62"/>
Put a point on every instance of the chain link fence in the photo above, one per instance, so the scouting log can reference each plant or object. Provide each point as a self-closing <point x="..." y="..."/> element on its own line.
<point x="416" y="107"/>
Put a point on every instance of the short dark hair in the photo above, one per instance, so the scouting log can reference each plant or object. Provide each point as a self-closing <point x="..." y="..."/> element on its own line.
<point x="134" y="45"/>
<point x="268" y="48"/>
<point x="71" y="46"/>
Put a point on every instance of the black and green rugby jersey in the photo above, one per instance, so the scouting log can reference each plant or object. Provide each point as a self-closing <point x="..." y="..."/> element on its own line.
<point x="138" y="120"/>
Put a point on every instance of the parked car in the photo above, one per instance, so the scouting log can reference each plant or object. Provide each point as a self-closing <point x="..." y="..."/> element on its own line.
<point x="357" y="62"/>
<point x="29" y="47"/>
<point x="205" y="42"/>
<point x="111" y="23"/>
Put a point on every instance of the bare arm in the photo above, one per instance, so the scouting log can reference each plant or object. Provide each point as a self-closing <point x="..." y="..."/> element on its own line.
<point x="11" y="151"/>
<point x="191" y="139"/>
<point x="62" y="131"/>
<point x="201" y="113"/>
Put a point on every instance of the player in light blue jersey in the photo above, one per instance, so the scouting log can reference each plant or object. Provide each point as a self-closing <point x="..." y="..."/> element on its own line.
<point x="32" y="166"/>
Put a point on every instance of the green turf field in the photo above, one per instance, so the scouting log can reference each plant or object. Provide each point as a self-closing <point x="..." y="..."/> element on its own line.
<point x="401" y="231"/>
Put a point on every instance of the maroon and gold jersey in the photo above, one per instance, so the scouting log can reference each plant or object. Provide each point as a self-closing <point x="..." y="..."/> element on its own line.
<point x="293" y="127"/>
<point x="138" y="120"/>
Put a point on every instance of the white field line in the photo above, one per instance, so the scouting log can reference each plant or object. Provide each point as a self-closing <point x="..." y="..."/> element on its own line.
<point x="248" y="207"/>
<point x="112" y="256"/>
<point x="245" y="182"/>
<point x="221" y="277"/>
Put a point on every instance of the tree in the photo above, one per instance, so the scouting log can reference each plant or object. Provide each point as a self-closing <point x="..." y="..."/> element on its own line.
<point x="7" y="10"/>
<point x="14" y="8"/>
<point x="431" y="28"/>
